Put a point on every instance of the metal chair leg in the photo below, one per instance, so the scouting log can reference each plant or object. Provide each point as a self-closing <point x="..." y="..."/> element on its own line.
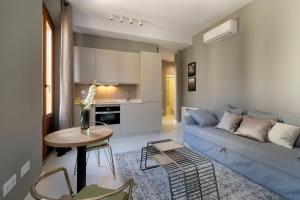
<point x="75" y="167"/>
<point x="112" y="165"/>
<point x="97" y="152"/>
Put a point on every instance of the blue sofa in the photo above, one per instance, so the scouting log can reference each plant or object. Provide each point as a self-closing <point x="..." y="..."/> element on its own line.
<point x="270" y="165"/>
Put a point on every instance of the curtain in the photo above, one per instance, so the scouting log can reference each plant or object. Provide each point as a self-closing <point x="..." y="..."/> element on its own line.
<point x="66" y="68"/>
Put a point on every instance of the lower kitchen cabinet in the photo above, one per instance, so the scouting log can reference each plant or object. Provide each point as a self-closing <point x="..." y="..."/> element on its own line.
<point x="131" y="115"/>
<point x="139" y="118"/>
<point x="151" y="116"/>
<point x="135" y="118"/>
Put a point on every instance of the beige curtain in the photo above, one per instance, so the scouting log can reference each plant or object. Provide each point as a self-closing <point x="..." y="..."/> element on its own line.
<point x="66" y="68"/>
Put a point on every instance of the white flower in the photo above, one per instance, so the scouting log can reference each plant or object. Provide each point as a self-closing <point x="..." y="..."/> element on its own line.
<point x="89" y="100"/>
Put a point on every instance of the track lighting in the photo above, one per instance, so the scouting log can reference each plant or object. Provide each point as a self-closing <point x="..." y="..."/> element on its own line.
<point x="140" y="22"/>
<point x="130" y="20"/>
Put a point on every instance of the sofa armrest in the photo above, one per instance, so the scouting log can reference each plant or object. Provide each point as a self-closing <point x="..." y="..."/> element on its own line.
<point x="188" y="120"/>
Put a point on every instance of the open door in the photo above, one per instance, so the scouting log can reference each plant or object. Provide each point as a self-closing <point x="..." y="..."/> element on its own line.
<point x="48" y="77"/>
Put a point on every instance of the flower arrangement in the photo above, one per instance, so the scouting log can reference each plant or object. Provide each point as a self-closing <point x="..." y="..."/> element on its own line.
<point x="85" y="107"/>
<point x="89" y="100"/>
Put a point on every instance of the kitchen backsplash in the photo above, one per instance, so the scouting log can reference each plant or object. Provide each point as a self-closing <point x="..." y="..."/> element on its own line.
<point x="107" y="92"/>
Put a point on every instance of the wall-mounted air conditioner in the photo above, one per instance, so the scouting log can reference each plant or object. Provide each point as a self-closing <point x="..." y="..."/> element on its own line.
<point x="220" y="32"/>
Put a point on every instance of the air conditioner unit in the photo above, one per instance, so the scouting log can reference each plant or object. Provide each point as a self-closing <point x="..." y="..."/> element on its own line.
<point x="220" y="32"/>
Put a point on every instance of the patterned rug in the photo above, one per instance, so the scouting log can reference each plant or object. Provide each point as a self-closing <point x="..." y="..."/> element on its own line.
<point x="153" y="184"/>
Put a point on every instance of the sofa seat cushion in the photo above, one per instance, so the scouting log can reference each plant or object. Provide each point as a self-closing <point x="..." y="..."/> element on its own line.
<point x="280" y="158"/>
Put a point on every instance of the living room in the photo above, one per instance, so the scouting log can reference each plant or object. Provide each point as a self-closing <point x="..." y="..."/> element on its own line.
<point x="206" y="91"/>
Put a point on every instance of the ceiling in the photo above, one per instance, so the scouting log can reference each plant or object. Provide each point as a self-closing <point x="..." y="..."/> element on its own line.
<point x="168" y="23"/>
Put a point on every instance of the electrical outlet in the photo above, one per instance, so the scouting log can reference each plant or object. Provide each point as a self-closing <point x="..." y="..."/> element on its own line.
<point x="25" y="168"/>
<point x="8" y="186"/>
<point x="82" y="92"/>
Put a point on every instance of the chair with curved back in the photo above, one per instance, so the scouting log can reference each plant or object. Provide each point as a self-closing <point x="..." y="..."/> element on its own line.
<point x="105" y="146"/>
<point x="88" y="193"/>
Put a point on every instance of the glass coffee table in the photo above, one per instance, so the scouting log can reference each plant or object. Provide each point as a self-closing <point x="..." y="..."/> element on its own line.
<point x="191" y="175"/>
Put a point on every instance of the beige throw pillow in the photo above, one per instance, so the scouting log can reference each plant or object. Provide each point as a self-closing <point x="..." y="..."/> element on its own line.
<point x="254" y="128"/>
<point x="284" y="134"/>
<point x="230" y="121"/>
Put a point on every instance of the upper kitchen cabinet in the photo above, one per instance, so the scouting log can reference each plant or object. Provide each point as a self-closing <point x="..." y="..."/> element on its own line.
<point x="106" y="66"/>
<point x="150" y="81"/>
<point x="129" y="68"/>
<point x="84" y="64"/>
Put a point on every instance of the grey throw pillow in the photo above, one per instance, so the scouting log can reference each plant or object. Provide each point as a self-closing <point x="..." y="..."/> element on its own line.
<point x="254" y="128"/>
<point x="204" y="118"/>
<point x="230" y="121"/>
<point x="220" y="112"/>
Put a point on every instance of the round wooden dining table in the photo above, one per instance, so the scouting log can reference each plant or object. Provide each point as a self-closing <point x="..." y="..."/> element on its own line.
<point x="75" y="137"/>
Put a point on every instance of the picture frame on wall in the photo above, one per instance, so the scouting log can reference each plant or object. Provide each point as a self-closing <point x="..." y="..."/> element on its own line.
<point x="192" y="69"/>
<point x="192" y="84"/>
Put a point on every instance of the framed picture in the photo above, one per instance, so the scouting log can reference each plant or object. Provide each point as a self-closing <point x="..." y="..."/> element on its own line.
<point x="192" y="84"/>
<point x="192" y="69"/>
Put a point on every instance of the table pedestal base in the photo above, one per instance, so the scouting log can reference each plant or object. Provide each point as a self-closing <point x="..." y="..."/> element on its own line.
<point x="81" y="167"/>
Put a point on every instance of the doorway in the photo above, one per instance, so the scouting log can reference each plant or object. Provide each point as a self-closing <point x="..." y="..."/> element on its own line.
<point x="48" y="77"/>
<point x="170" y="96"/>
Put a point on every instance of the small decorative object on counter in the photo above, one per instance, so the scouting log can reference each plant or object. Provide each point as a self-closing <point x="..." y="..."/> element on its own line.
<point x="85" y="107"/>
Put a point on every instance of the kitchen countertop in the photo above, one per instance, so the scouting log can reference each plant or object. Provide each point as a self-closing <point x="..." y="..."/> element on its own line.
<point x="116" y="101"/>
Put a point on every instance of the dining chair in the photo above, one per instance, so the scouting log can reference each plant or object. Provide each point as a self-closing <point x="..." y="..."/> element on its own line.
<point x="97" y="147"/>
<point x="91" y="192"/>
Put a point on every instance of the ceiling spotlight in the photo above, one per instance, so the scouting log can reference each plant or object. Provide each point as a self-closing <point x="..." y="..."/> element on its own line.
<point x="121" y="19"/>
<point x="140" y="22"/>
<point x="111" y="17"/>
<point x="130" y="21"/>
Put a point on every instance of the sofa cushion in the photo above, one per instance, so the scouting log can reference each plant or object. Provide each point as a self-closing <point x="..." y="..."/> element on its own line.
<point x="220" y="112"/>
<point x="293" y="119"/>
<point x="262" y="115"/>
<point x="256" y="129"/>
<point x="284" y="134"/>
<point x="268" y="154"/>
<point x="230" y="121"/>
<point x="203" y="117"/>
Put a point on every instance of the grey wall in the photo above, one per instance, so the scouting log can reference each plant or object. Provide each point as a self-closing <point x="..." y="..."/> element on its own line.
<point x="101" y="42"/>
<point x="258" y="68"/>
<point x="21" y="92"/>
<point x="179" y="85"/>
<point x="168" y="68"/>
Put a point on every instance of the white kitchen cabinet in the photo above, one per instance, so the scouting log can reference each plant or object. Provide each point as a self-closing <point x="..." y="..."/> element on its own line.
<point x="150" y="77"/>
<point x="129" y="68"/>
<point x="84" y="64"/>
<point x="131" y="118"/>
<point x="106" y="66"/>
<point x="151" y="116"/>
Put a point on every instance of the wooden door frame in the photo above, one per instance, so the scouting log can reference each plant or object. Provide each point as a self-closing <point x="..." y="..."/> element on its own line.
<point x="46" y="17"/>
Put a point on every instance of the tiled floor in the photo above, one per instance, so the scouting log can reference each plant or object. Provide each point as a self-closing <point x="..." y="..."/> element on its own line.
<point x="102" y="175"/>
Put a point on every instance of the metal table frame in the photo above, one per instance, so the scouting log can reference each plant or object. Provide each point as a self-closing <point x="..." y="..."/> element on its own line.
<point x="191" y="175"/>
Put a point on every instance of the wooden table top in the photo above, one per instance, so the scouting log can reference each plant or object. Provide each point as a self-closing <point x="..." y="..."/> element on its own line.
<point x="75" y="137"/>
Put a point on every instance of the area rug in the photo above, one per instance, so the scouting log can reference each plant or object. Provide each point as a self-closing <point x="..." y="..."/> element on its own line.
<point x="153" y="184"/>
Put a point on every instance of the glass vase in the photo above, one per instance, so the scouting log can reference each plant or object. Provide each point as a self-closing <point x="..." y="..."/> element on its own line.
<point x="85" y="119"/>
